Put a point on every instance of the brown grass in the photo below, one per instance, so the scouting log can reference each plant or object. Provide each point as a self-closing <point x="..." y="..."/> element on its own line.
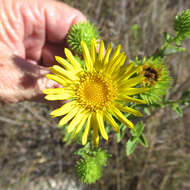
<point x="31" y="151"/>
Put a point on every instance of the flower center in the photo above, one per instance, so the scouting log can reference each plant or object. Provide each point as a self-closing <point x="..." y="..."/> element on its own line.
<point x="151" y="75"/>
<point x="95" y="91"/>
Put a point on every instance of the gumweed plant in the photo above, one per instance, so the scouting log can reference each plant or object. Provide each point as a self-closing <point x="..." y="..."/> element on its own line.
<point x="102" y="91"/>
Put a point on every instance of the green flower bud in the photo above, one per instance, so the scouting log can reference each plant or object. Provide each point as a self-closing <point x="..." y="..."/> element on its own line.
<point x="84" y="31"/>
<point x="182" y="24"/>
<point x="88" y="170"/>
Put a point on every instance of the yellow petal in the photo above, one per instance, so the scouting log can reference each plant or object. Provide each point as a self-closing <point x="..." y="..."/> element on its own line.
<point x="55" y="91"/>
<point x="131" y="72"/>
<point x="95" y="137"/>
<point x="100" y="121"/>
<point x="65" y="96"/>
<point x="67" y="107"/>
<point x="62" y="95"/>
<point x="93" y="50"/>
<point x="87" y="57"/>
<point x="131" y="82"/>
<point x="72" y="60"/>
<point x="112" y="122"/>
<point x="132" y="91"/>
<point x="129" y="110"/>
<point x="116" y="63"/>
<point x="107" y="54"/>
<point x="101" y="51"/>
<point x="121" y="63"/>
<point x="130" y="99"/>
<point x="120" y="75"/>
<point x="58" y="79"/>
<point x="122" y="118"/>
<point x="68" y="117"/>
<point x="129" y="66"/>
<point x="86" y="131"/>
<point x="76" y="120"/>
<point x="80" y="125"/>
<point x="116" y="52"/>
<point x="56" y="69"/>
<point x="64" y="63"/>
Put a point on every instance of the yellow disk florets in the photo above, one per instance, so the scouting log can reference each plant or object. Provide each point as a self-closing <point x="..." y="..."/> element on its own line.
<point x="95" y="91"/>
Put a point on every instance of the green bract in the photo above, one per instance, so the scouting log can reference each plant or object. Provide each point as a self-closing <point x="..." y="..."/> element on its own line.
<point x="182" y="24"/>
<point x="84" y="31"/>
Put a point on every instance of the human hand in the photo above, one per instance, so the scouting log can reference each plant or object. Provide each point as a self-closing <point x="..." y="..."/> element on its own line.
<point x="32" y="32"/>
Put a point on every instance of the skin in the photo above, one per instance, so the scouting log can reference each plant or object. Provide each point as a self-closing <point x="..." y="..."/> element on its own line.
<point x="32" y="32"/>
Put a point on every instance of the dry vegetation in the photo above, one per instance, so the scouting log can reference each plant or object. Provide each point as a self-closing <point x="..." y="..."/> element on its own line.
<point x="32" y="154"/>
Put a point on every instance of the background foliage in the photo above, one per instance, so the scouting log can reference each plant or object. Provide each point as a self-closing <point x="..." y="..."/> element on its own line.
<point x="32" y="153"/>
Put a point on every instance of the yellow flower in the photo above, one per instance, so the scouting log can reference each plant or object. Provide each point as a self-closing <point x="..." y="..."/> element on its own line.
<point x="96" y="92"/>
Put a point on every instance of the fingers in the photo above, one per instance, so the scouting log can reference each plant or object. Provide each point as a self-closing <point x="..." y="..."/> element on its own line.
<point x="59" y="19"/>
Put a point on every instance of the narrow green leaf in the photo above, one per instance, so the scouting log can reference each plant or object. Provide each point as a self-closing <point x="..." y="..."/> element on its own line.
<point x="172" y="50"/>
<point x="139" y="128"/>
<point x="131" y="145"/>
<point x="143" y="140"/>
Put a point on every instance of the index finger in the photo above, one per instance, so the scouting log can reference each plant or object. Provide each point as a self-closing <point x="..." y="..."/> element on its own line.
<point x="59" y="19"/>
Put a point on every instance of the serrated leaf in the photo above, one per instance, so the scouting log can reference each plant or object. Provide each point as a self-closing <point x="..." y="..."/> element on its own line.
<point x="131" y="145"/>
<point x="177" y="109"/>
<point x="143" y="141"/>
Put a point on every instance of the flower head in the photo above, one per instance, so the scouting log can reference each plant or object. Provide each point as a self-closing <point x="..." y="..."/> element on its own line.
<point x="95" y="92"/>
<point x="88" y="170"/>
<point x="83" y="31"/>
<point x="182" y="24"/>
<point x="156" y="78"/>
